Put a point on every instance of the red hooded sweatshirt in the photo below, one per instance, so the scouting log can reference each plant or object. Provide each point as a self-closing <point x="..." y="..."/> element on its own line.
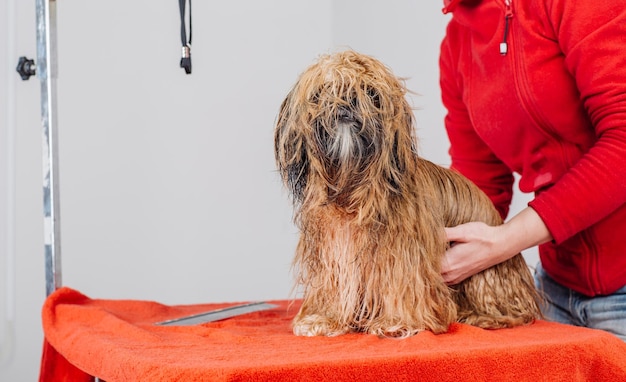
<point x="538" y="87"/>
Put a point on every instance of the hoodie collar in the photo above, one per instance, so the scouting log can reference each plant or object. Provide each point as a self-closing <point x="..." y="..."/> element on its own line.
<point x="449" y="5"/>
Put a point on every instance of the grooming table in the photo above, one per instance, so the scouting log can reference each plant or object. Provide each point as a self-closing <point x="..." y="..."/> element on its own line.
<point x="116" y="340"/>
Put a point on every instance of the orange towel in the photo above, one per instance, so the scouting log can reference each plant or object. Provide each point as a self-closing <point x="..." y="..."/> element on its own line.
<point x="118" y="341"/>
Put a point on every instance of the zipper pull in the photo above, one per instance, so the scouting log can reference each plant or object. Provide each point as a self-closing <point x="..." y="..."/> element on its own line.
<point x="508" y="14"/>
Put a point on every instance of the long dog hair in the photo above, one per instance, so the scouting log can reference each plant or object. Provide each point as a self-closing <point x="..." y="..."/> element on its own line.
<point x="372" y="213"/>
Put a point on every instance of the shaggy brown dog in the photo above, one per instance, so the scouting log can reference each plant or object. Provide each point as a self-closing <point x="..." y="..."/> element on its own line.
<point x="372" y="213"/>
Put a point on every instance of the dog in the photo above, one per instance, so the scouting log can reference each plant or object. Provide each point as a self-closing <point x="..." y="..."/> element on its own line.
<point x="371" y="213"/>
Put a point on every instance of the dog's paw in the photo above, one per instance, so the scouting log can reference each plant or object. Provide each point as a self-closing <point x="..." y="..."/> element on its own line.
<point x="394" y="331"/>
<point x="498" y="321"/>
<point x="316" y="325"/>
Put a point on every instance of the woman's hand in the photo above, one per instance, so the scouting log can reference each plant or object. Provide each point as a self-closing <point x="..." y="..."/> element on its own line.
<point x="476" y="246"/>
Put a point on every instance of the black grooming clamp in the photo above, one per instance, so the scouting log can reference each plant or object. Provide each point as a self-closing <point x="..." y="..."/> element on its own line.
<point x="185" y="61"/>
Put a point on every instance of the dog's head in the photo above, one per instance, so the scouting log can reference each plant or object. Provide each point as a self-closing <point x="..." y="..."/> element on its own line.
<point x="344" y="129"/>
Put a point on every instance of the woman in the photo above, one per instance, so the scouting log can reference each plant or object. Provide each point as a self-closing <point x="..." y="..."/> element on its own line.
<point x="538" y="87"/>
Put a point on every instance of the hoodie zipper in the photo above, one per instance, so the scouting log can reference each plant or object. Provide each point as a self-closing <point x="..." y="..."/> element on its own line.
<point x="508" y="15"/>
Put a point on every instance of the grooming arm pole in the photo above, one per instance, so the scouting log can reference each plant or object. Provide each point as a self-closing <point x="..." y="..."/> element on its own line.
<point x="47" y="74"/>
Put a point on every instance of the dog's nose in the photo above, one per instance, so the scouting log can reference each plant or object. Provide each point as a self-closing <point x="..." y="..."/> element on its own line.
<point x="346" y="115"/>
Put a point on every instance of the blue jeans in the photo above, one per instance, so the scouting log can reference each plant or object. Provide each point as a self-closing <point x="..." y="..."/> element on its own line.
<point x="570" y="307"/>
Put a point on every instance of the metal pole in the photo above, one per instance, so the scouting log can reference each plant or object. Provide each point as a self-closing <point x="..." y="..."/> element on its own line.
<point x="47" y="73"/>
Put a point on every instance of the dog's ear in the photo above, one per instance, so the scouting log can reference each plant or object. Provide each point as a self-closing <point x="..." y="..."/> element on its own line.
<point x="405" y="142"/>
<point x="290" y="151"/>
<point x="397" y="125"/>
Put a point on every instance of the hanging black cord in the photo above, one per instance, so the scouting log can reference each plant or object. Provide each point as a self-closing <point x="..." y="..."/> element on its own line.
<point x="185" y="61"/>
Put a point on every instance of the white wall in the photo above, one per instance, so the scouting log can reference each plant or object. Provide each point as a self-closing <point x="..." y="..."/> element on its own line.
<point x="21" y="298"/>
<point x="168" y="183"/>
